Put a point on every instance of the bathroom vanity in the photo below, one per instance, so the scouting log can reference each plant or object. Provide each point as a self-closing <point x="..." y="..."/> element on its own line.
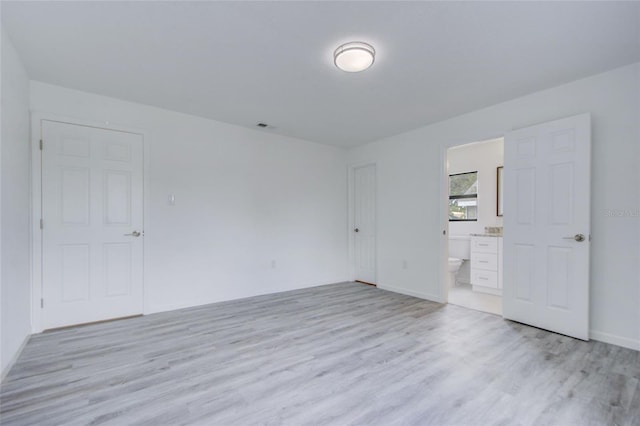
<point x="486" y="263"/>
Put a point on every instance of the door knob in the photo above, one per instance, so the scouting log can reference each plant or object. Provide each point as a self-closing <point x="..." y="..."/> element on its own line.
<point x="356" y="230"/>
<point x="133" y="234"/>
<point x="578" y="237"/>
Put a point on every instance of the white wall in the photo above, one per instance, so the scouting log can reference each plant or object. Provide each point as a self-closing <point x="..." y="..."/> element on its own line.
<point x="244" y="199"/>
<point x="15" y="206"/>
<point x="483" y="157"/>
<point x="409" y="192"/>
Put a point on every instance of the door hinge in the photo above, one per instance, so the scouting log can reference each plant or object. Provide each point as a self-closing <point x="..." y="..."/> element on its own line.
<point x="40" y="144"/>
<point x="41" y="303"/>
<point x="41" y="224"/>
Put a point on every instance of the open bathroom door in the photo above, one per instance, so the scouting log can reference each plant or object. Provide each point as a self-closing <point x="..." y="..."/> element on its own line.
<point x="547" y="225"/>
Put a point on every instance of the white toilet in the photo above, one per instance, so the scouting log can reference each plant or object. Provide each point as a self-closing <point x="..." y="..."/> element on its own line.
<point x="459" y="251"/>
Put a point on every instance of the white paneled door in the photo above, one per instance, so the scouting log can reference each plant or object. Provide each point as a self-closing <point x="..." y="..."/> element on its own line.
<point x="92" y="224"/>
<point x="364" y="221"/>
<point x="547" y="226"/>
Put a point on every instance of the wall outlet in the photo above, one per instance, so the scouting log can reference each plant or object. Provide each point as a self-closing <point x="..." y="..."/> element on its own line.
<point x="405" y="265"/>
<point x="273" y="264"/>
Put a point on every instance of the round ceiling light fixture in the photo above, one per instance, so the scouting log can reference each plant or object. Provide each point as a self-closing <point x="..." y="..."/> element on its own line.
<point x="354" y="56"/>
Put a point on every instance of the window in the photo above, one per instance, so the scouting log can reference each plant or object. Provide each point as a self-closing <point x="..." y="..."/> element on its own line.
<point x="463" y="197"/>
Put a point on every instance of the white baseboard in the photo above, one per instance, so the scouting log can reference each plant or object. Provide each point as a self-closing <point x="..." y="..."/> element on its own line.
<point x="613" y="339"/>
<point x="14" y="358"/>
<point x="600" y="336"/>
<point x="426" y="296"/>
<point x="154" y="309"/>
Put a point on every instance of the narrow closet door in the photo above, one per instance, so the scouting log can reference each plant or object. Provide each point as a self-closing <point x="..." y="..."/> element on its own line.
<point x="364" y="191"/>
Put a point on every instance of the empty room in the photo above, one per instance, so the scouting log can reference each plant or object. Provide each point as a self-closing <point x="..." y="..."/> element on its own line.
<point x="320" y="213"/>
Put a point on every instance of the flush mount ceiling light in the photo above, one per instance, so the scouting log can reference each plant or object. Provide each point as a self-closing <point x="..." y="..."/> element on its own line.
<point x="355" y="56"/>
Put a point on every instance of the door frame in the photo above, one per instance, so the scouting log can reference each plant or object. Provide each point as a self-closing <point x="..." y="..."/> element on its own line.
<point x="37" y="117"/>
<point x="350" y="217"/>
<point x="443" y="272"/>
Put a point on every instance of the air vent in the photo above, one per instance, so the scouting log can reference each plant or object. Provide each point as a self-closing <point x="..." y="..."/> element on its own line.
<point x="263" y="125"/>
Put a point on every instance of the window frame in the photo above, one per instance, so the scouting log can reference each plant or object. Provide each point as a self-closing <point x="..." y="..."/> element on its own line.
<point x="464" y="196"/>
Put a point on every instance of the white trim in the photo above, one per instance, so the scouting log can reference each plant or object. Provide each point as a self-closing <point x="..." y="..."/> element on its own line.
<point x="14" y="358"/>
<point x="194" y="304"/>
<point x="36" y="237"/>
<point x="350" y="222"/>
<point x="443" y="257"/>
<point x="420" y="295"/>
<point x="156" y="309"/>
<point x="36" y="203"/>
<point x="613" y="339"/>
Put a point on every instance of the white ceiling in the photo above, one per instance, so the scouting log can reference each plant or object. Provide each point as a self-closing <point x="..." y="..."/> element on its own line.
<point x="250" y="62"/>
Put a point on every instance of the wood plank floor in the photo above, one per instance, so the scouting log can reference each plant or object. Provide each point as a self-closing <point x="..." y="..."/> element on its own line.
<point x="340" y="354"/>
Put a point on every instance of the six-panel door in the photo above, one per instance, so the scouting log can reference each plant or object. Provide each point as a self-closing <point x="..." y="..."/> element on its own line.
<point x="92" y="202"/>
<point x="547" y="204"/>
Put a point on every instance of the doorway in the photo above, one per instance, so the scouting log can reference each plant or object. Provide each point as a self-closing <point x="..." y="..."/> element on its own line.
<point x="547" y="228"/>
<point x="474" y="249"/>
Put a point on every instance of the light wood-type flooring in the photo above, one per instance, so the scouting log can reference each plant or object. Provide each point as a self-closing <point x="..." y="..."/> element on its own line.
<point x="463" y="295"/>
<point x="339" y="354"/>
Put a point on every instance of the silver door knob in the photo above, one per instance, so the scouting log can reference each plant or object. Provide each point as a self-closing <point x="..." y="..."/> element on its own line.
<point x="133" y="234"/>
<point x="578" y="237"/>
<point x="356" y="230"/>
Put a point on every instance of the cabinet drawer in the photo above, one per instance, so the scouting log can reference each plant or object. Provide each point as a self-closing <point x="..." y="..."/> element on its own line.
<point x="487" y="261"/>
<point x="484" y="244"/>
<point x="484" y="278"/>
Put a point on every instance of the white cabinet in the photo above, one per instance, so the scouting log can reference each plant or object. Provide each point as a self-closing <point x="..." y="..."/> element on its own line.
<point x="486" y="264"/>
